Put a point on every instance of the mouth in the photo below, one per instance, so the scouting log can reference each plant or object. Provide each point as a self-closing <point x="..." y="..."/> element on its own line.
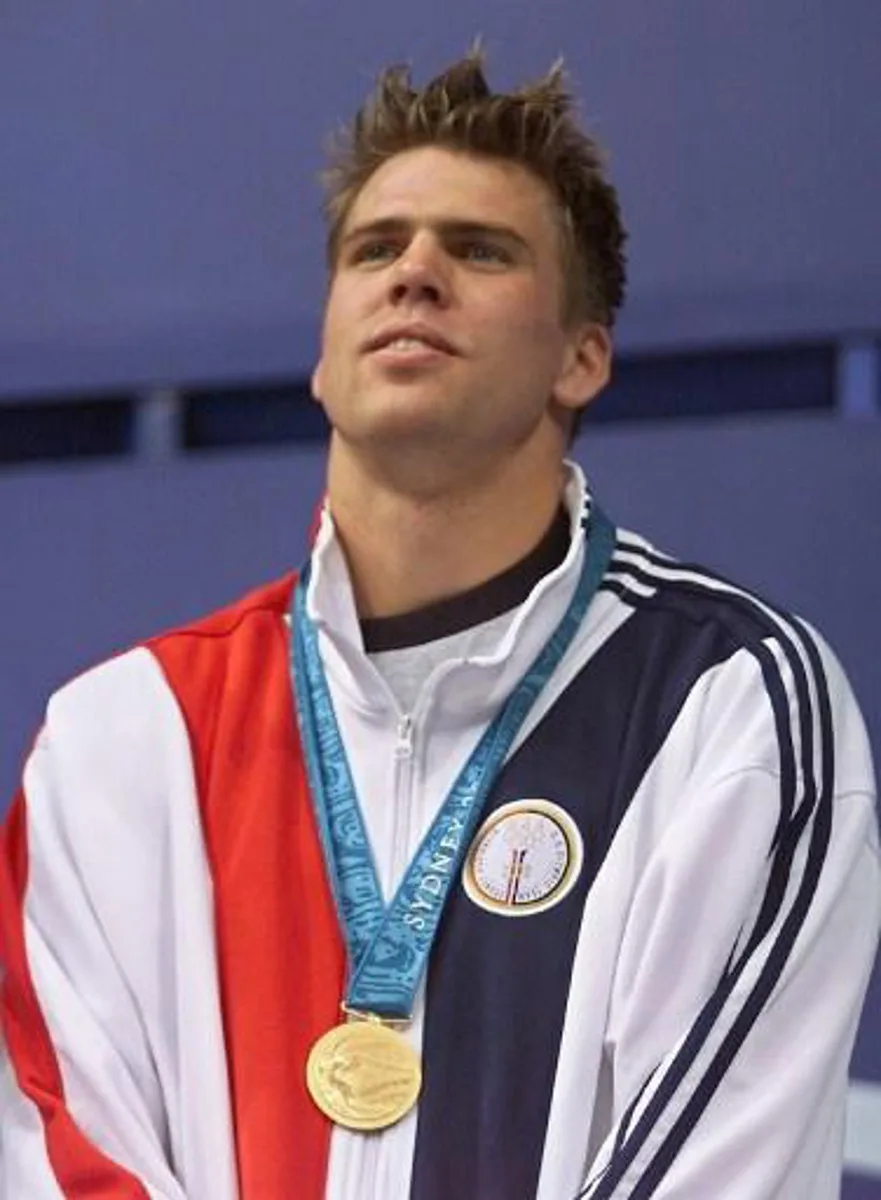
<point x="410" y="342"/>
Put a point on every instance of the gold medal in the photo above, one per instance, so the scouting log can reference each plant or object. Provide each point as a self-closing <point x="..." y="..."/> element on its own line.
<point x="363" y="1074"/>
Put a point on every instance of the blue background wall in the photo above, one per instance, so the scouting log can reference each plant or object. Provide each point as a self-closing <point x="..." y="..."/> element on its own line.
<point x="160" y="216"/>
<point x="159" y="226"/>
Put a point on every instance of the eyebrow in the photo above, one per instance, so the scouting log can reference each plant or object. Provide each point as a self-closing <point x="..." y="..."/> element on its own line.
<point x="450" y="228"/>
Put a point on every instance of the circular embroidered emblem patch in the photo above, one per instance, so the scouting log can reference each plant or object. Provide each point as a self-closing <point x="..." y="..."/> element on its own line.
<point x="524" y="859"/>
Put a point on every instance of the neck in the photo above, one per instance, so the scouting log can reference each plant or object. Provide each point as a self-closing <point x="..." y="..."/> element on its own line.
<point x="407" y="549"/>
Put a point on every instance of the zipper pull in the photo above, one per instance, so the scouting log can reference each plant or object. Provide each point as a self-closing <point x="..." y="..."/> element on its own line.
<point x="404" y="746"/>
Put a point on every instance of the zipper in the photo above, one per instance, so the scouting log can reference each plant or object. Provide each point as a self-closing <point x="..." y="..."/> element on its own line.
<point x="404" y="766"/>
<point x="404" y="739"/>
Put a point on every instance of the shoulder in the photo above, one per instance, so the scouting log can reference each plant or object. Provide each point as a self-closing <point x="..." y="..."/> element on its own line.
<point x="682" y="595"/>
<point x="650" y="580"/>
<point x="762" y="673"/>
<point x="114" y="763"/>
<point x="130" y="705"/>
<point x="266" y="604"/>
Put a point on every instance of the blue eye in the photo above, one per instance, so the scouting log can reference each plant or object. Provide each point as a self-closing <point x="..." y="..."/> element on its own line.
<point x="375" y="252"/>
<point x="485" y="252"/>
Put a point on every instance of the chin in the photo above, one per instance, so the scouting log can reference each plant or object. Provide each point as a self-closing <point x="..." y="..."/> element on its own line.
<point x="408" y="432"/>
<point x="405" y="413"/>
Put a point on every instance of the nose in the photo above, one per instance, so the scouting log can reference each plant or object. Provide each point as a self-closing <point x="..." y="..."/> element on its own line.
<point x="420" y="274"/>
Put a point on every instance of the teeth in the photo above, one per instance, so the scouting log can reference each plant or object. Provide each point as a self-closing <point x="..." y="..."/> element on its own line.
<point x="407" y="343"/>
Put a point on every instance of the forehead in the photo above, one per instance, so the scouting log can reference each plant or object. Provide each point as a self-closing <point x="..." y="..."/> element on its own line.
<point x="433" y="185"/>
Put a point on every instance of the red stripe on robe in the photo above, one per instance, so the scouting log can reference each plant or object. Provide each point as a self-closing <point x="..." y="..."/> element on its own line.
<point x="281" y="956"/>
<point x="81" y="1170"/>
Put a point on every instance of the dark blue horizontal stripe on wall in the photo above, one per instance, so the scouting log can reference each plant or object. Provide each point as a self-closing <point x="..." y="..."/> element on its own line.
<point x="719" y="382"/>
<point x="278" y="411"/>
<point x="255" y="415"/>
<point x="87" y="427"/>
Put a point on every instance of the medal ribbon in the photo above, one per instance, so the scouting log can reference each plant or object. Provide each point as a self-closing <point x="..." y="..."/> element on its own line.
<point x="389" y="946"/>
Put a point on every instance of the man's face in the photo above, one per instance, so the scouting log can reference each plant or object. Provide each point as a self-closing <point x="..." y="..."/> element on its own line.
<point x="443" y="321"/>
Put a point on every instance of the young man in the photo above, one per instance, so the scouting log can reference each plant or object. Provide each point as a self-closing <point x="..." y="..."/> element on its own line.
<point x="499" y="857"/>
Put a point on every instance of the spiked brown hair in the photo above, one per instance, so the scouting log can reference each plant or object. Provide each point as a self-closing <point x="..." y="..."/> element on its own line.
<point x="533" y="126"/>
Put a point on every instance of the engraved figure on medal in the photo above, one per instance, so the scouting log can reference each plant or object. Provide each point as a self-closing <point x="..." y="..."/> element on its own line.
<point x="364" y="1075"/>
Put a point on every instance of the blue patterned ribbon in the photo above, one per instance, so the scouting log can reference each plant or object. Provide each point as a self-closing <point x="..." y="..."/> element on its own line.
<point x="388" y="947"/>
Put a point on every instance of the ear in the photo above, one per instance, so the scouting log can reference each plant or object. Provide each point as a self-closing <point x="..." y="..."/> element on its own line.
<point x="316" y="380"/>
<point x="586" y="368"/>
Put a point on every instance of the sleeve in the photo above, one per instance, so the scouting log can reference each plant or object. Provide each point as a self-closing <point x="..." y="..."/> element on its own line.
<point x="748" y="945"/>
<point x="83" y="1106"/>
